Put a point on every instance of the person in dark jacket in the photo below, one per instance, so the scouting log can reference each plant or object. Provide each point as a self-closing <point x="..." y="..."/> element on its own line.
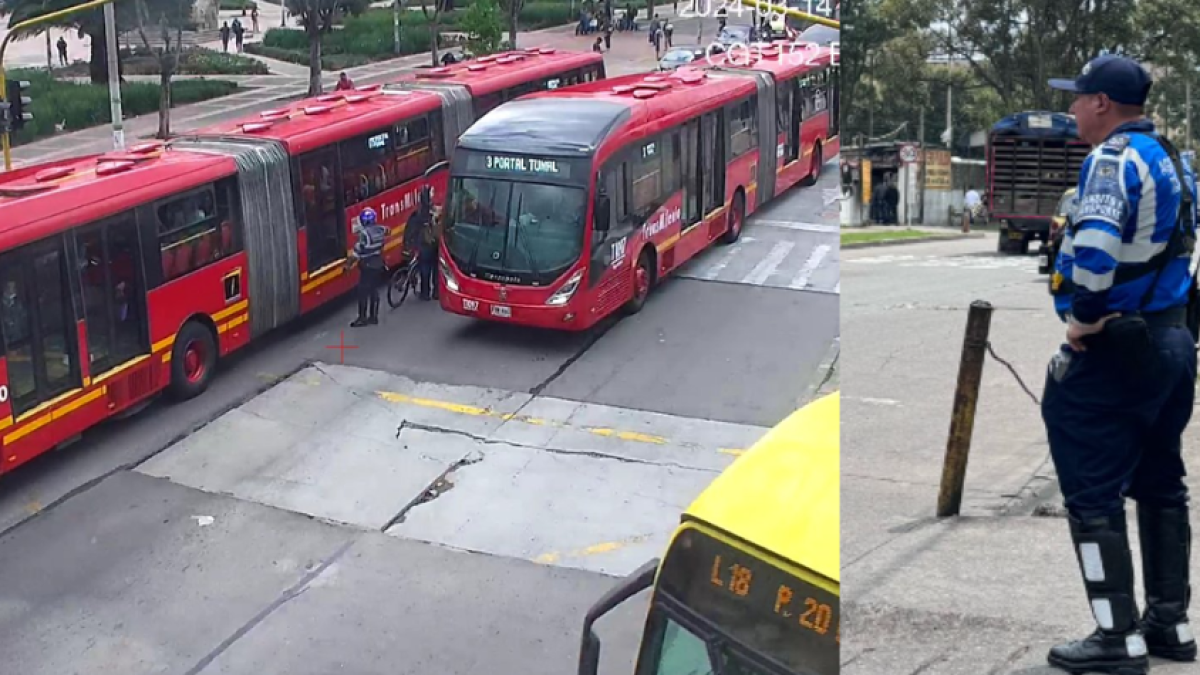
<point x="420" y="242"/>
<point x="369" y="252"/>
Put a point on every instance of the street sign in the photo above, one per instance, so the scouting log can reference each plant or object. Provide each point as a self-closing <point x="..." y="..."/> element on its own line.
<point x="908" y="154"/>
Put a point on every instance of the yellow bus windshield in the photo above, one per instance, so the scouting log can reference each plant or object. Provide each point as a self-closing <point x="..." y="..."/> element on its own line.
<point x="759" y="615"/>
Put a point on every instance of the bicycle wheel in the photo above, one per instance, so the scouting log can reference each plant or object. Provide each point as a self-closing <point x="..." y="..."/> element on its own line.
<point x="398" y="287"/>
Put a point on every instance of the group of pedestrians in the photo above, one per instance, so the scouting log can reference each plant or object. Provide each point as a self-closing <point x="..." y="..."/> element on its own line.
<point x="238" y="31"/>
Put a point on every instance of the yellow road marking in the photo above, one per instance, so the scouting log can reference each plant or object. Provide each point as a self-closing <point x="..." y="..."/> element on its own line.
<point x="731" y="451"/>
<point x="475" y="411"/>
<point x="595" y="549"/>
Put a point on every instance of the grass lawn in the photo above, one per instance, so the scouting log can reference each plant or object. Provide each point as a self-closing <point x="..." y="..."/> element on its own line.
<point x="895" y="235"/>
<point x="80" y="106"/>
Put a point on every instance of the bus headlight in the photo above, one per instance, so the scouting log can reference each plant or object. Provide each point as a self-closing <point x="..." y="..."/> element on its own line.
<point x="451" y="282"/>
<point x="568" y="289"/>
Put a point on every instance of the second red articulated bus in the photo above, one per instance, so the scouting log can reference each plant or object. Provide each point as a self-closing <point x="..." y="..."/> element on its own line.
<point x="566" y="206"/>
<point x="125" y="274"/>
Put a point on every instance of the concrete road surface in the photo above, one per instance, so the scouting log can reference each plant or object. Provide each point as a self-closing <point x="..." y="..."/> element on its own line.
<point x="447" y="497"/>
<point x="990" y="591"/>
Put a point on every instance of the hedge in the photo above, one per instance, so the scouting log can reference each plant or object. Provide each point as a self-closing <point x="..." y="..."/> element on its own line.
<point x="80" y="106"/>
<point x="369" y="35"/>
<point x="234" y="5"/>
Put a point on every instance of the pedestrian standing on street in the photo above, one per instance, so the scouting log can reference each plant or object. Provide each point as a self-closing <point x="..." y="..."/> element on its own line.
<point x="254" y="19"/>
<point x="62" y="50"/>
<point x="1119" y="393"/>
<point x="225" y="36"/>
<point x="344" y="82"/>
<point x="608" y="31"/>
<point x="971" y="205"/>
<point x="368" y="250"/>
<point x="668" y="30"/>
<point x="239" y="33"/>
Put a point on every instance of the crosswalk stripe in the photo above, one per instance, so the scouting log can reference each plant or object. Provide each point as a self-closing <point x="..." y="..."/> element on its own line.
<point x="814" y="260"/>
<point x="767" y="266"/>
<point x="803" y="227"/>
<point x="730" y="253"/>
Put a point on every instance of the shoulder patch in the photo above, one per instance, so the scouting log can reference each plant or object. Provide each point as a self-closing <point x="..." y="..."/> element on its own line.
<point x="1118" y="142"/>
<point x="1102" y="197"/>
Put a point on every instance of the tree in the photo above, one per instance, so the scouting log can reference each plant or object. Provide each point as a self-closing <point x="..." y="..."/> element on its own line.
<point x="317" y="17"/>
<point x="514" y="8"/>
<point x="435" y="25"/>
<point x="483" y="26"/>
<point x="90" y="23"/>
<point x="172" y="14"/>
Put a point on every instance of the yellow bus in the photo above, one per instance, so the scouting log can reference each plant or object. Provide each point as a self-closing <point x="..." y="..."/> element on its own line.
<point x="750" y="582"/>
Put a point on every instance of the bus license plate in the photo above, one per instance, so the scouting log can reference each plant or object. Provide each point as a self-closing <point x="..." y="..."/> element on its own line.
<point x="470" y="305"/>
<point x="502" y="311"/>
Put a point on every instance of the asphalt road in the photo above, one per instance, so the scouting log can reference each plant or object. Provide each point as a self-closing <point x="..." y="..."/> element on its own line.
<point x="450" y="499"/>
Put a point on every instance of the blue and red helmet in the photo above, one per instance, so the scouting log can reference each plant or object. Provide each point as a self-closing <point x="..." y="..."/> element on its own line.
<point x="367" y="217"/>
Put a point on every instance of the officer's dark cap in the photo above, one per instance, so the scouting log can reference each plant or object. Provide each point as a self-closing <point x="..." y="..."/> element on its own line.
<point x="1120" y="78"/>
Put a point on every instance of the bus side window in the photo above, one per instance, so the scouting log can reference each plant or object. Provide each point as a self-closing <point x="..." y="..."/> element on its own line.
<point x="645" y="178"/>
<point x="672" y="164"/>
<point x="16" y="330"/>
<point x="783" y="108"/>
<point x="414" y="149"/>
<point x="436" y="132"/>
<point x="743" y="127"/>
<point x="188" y="229"/>
<point x="485" y="103"/>
<point x="366" y="166"/>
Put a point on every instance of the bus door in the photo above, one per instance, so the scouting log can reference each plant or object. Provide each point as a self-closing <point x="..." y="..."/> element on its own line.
<point x="712" y="160"/>
<point x="322" y="208"/>
<point x="693" y="175"/>
<point x="795" y="115"/>
<point x="108" y="260"/>
<point x="38" y="325"/>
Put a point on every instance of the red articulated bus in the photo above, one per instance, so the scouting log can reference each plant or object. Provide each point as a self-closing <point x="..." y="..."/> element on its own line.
<point x="805" y="78"/>
<point x="128" y="273"/>
<point x="565" y="206"/>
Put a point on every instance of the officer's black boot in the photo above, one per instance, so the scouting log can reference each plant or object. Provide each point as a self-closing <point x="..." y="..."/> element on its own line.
<point x="374" y="318"/>
<point x="362" y="314"/>
<point x="1117" y="646"/>
<point x="1166" y="538"/>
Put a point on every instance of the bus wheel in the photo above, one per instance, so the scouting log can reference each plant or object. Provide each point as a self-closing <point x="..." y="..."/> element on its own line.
<point x="643" y="281"/>
<point x="193" y="361"/>
<point x="737" y="219"/>
<point x="811" y="179"/>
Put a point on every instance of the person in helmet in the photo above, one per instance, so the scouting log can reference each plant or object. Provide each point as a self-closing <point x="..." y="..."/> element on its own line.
<point x="369" y="252"/>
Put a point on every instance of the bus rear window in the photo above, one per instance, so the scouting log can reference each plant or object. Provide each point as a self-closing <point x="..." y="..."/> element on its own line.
<point x="766" y="608"/>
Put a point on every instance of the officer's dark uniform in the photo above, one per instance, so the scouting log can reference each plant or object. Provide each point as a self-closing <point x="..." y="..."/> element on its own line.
<point x="1115" y="413"/>
<point x="369" y="251"/>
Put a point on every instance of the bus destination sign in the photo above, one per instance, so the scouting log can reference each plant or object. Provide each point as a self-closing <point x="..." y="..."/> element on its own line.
<point x="770" y="610"/>
<point x="516" y="165"/>
<point x="531" y="165"/>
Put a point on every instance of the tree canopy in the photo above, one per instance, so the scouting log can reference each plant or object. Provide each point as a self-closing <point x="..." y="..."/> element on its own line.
<point x="900" y="56"/>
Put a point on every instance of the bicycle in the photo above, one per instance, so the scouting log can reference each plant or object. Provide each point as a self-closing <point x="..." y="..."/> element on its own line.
<point x="403" y="280"/>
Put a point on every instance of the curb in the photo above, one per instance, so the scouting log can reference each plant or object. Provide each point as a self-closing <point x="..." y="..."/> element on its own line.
<point x="913" y="240"/>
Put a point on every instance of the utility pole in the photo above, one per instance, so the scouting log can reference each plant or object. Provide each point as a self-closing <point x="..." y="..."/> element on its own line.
<point x="114" y="77"/>
<point x="396" y="26"/>
<point x="49" y="54"/>
<point x="923" y="164"/>
<point x="1188" y="113"/>
<point x="950" y="117"/>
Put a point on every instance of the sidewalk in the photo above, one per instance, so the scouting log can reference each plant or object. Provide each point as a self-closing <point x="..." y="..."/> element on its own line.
<point x="630" y="53"/>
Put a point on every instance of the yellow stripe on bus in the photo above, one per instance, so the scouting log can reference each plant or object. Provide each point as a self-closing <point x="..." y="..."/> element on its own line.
<point x="230" y="310"/>
<point x="336" y="271"/>
<point x="6" y="422"/>
<point x="52" y="415"/>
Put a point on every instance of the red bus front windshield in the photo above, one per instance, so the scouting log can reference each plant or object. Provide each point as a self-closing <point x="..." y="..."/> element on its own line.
<point x="514" y="232"/>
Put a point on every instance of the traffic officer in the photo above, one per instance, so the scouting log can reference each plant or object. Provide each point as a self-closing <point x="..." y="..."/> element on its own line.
<point x="369" y="252"/>
<point x="1119" y="393"/>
